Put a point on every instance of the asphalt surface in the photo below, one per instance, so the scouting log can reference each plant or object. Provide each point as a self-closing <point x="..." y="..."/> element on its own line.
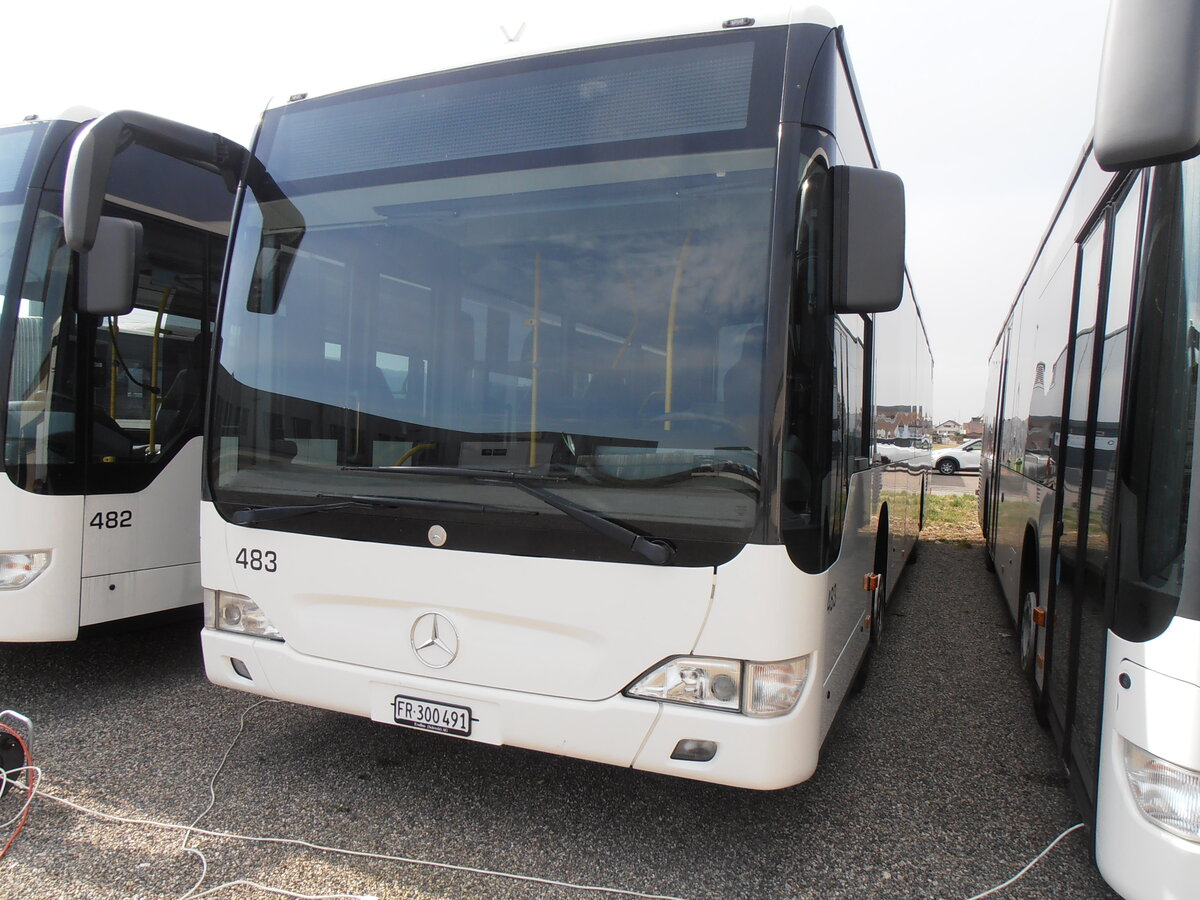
<point x="935" y="783"/>
<point x="958" y="483"/>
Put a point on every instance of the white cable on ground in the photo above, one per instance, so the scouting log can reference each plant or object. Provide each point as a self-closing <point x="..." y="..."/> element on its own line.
<point x="293" y="842"/>
<point x="189" y="830"/>
<point x="1031" y="864"/>
<point x="212" y="800"/>
<point x="9" y="776"/>
<point x="241" y="882"/>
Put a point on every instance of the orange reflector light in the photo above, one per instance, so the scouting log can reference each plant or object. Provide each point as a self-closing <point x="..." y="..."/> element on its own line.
<point x="1039" y="616"/>
<point x="870" y="582"/>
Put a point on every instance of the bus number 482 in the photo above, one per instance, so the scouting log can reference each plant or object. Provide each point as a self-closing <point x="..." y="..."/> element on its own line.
<point x="112" y="519"/>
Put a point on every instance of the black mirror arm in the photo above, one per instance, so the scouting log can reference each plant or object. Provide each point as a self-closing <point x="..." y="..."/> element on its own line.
<point x="99" y="143"/>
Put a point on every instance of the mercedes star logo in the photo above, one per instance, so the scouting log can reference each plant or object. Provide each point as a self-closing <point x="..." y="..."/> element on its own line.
<point x="434" y="640"/>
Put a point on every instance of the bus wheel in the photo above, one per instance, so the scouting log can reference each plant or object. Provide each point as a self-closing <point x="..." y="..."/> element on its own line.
<point x="1027" y="642"/>
<point x="1027" y="635"/>
<point x="878" y="605"/>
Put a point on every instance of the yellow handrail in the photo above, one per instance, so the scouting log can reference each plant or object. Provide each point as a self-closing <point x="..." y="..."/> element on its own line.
<point x="413" y="451"/>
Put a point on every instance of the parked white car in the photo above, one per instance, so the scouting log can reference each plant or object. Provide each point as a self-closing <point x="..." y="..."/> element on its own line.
<point x="901" y="449"/>
<point x="964" y="457"/>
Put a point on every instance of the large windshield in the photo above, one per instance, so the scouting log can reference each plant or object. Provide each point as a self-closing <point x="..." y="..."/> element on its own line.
<point x="16" y="146"/>
<point x="101" y="404"/>
<point x="560" y="269"/>
<point x="42" y="353"/>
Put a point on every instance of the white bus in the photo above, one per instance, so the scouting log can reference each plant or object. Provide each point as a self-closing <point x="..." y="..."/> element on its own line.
<point x="98" y="504"/>
<point x="1089" y="461"/>
<point x="541" y="413"/>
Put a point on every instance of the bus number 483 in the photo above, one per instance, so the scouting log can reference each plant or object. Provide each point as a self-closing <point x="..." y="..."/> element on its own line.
<point x="256" y="560"/>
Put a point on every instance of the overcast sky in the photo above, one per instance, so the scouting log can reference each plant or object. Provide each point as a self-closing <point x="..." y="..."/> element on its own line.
<point x="981" y="107"/>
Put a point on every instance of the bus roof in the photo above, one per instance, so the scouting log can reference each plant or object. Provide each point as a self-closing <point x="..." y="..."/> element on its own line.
<point x="78" y="114"/>
<point x="521" y="40"/>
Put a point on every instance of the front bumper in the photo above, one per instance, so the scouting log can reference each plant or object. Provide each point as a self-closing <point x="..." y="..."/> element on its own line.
<point x="762" y="754"/>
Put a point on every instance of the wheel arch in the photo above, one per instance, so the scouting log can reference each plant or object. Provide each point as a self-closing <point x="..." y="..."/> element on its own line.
<point x="1029" y="578"/>
<point x="883" y="541"/>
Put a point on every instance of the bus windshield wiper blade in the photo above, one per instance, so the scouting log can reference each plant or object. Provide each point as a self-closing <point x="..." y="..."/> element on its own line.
<point x="654" y="549"/>
<point x="470" y="473"/>
<point x="275" y="513"/>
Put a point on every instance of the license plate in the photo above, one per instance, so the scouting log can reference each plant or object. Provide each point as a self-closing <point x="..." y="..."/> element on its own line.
<point x="429" y="716"/>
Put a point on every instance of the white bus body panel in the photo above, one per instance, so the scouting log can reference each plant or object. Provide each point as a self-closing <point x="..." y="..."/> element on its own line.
<point x="98" y="574"/>
<point x="1159" y="712"/>
<point x="164" y="529"/>
<point x="47" y="609"/>
<point x="594" y="625"/>
<point x="153" y="564"/>
<point x="347" y="609"/>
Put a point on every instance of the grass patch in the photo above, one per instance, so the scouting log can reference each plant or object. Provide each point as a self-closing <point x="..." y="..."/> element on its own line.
<point x="952" y="518"/>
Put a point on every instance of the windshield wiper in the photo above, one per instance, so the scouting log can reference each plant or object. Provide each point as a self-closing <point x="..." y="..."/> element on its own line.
<point x="654" y="549"/>
<point x="275" y="513"/>
<point x="470" y="473"/>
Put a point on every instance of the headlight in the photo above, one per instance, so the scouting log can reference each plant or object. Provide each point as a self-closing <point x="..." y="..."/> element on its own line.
<point x="1168" y="795"/>
<point x="233" y="612"/>
<point x="19" y="569"/>
<point x="686" y="679"/>
<point x="756" y="689"/>
<point x="772" y="689"/>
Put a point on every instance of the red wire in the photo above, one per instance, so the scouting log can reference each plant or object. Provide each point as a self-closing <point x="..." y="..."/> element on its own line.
<point x="30" y="784"/>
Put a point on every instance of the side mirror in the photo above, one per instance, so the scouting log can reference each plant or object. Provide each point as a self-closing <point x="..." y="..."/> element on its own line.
<point x="99" y="142"/>
<point x="868" y="243"/>
<point x="272" y="268"/>
<point x="1148" y="100"/>
<point x="108" y="272"/>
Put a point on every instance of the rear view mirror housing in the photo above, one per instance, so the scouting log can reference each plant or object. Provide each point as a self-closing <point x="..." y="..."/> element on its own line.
<point x="98" y="144"/>
<point x="868" y="248"/>
<point x="108" y="272"/>
<point x="1148" y="99"/>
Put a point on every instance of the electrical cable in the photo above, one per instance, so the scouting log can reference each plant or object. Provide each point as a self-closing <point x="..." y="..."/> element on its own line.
<point x="212" y="800"/>
<point x="307" y="845"/>
<point x="189" y="830"/>
<point x="10" y="780"/>
<point x="1031" y="864"/>
<point x="33" y="778"/>
<point x="33" y="775"/>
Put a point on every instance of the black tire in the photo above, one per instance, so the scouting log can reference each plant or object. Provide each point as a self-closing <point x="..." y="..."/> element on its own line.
<point x="1027" y="652"/>
<point x="1027" y="635"/>
<point x="947" y="466"/>
<point x="878" y="606"/>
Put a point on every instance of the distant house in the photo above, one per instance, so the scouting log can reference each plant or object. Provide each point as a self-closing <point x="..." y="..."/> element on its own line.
<point x="892" y="422"/>
<point x="974" y="428"/>
<point x="948" y="430"/>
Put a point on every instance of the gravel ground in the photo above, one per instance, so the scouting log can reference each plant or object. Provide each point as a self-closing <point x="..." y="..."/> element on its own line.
<point x="936" y="783"/>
